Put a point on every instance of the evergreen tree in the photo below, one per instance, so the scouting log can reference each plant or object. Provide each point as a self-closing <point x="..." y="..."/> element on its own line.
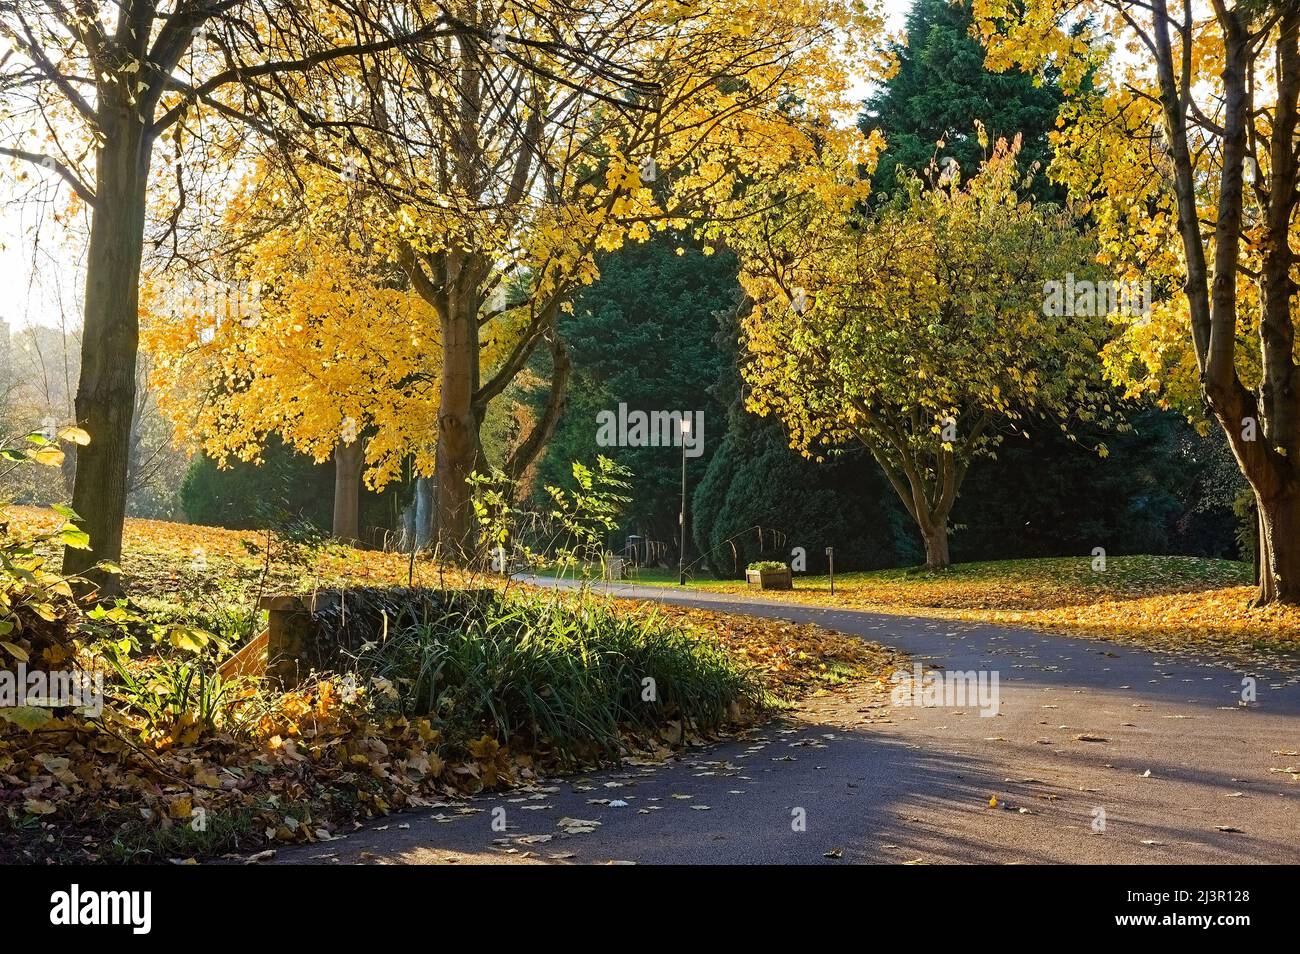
<point x="759" y="499"/>
<point x="1048" y="496"/>
<point x="939" y="91"/>
<point x="642" y="335"/>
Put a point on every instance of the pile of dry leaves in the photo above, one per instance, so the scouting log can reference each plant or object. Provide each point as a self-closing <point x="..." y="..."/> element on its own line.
<point x="80" y="789"/>
<point x="792" y="658"/>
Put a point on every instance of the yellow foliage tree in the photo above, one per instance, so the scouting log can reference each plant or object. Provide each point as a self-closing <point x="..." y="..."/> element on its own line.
<point x="499" y="154"/>
<point x="1181" y="141"/>
<point x="89" y="91"/>
<point x="919" y="329"/>
<point x="310" y="335"/>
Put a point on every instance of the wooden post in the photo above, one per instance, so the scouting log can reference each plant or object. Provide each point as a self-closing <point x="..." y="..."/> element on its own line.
<point x="299" y="640"/>
<point x="290" y="630"/>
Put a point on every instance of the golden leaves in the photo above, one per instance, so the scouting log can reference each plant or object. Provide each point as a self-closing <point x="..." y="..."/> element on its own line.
<point x="792" y="658"/>
<point x="1168" y="603"/>
<point x="331" y="340"/>
<point x="883" y="328"/>
<point x="312" y="755"/>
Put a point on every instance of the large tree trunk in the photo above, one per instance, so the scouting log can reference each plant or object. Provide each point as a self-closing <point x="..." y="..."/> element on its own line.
<point x="931" y="518"/>
<point x="458" y="429"/>
<point x="348" y="459"/>
<point x="1279" y="549"/>
<point x="1266" y="458"/>
<point x="105" y="399"/>
<point x="1278" y="482"/>
<point x="935" y="537"/>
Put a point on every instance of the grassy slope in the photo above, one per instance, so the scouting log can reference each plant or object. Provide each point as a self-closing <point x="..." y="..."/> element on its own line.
<point x="217" y="575"/>
<point x="1162" y="602"/>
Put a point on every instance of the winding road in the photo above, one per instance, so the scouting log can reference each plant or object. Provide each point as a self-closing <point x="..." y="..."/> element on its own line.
<point x="1099" y="753"/>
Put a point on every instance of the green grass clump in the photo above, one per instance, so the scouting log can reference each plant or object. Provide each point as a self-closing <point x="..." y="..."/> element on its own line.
<point x="571" y="675"/>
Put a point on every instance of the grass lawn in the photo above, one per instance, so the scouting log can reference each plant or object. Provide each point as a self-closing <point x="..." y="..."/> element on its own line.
<point x="1161" y="602"/>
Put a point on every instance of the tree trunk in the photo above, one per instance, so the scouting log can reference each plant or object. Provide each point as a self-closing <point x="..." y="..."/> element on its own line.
<point x="423" y="530"/>
<point x="931" y="519"/>
<point x="1279" y="550"/>
<point x="1213" y="305"/>
<point x="1259" y="545"/>
<point x="458" y="431"/>
<point x="105" y="400"/>
<point x="936" y="545"/>
<point x="531" y="446"/>
<point x="348" y="459"/>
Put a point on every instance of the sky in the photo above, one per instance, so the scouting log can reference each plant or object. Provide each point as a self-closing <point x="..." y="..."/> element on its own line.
<point x="40" y="266"/>
<point x="40" y="276"/>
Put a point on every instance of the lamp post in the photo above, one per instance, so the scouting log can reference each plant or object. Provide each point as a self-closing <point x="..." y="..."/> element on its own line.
<point x="681" y="517"/>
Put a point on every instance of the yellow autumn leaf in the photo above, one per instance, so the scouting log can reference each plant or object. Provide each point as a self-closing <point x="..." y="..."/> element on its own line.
<point x="74" y="435"/>
<point x="49" y="456"/>
<point x="16" y="651"/>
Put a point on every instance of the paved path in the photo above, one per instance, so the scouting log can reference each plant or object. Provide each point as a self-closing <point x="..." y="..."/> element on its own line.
<point x="1178" y="770"/>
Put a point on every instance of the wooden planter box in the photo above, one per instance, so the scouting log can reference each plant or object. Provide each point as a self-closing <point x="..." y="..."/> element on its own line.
<point x="770" y="579"/>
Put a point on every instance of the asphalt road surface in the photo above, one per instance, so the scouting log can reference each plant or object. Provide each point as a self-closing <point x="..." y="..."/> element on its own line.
<point x="1098" y="753"/>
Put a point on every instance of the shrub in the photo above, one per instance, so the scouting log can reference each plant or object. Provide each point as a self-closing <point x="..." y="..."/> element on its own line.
<point x="559" y="673"/>
<point x="747" y="508"/>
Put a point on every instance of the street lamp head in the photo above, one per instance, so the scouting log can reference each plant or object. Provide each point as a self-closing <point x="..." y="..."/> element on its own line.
<point x="686" y="425"/>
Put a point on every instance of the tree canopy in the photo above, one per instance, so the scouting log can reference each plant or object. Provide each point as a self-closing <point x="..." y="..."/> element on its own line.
<point x="920" y="330"/>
